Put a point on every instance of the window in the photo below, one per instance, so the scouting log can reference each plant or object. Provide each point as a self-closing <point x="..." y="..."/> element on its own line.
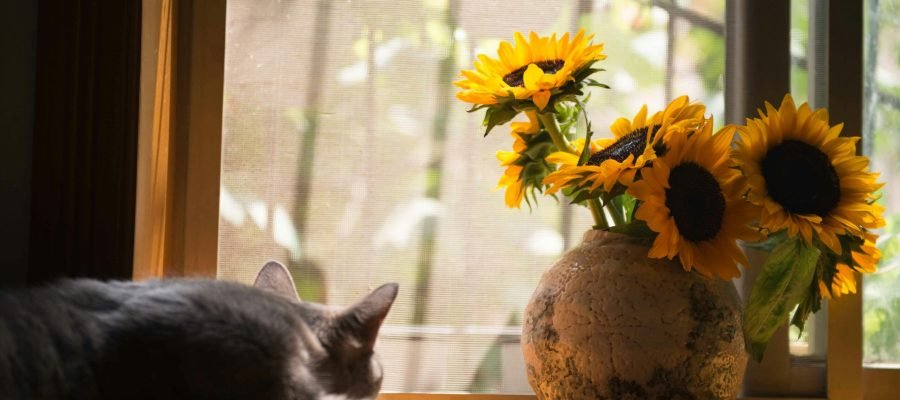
<point x="881" y="305"/>
<point x="345" y="156"/>
<point x="810" y="343"/>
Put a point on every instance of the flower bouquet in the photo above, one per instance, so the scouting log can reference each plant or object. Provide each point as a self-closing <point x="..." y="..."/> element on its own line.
<point x="684" y="195"/>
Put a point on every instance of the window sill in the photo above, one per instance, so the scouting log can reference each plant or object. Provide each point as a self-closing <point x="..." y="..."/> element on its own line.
<point x="459" y="396"/>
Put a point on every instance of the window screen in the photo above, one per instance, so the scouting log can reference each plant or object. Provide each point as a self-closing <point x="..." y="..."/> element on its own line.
<point x="881" y="118"/>
<point x="347" y="157"/>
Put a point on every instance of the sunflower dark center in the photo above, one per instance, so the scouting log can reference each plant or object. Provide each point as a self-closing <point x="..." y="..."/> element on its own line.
<point x="695" y="202"/>
<point x="517" y="77"/>
<point x="800" y="177"/>
<point x="633" y="144"/>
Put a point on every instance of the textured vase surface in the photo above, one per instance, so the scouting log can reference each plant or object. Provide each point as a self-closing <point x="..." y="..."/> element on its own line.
<point x="606" y="322"/>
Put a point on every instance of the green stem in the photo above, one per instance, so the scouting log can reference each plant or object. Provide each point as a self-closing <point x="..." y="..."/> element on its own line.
<point x="597" y="212"/>
<point x="618" y="219"/>
<point x="548" y="120"/>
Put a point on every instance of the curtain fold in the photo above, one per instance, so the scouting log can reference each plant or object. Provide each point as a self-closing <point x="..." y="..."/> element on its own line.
<point x="85" y="139"/>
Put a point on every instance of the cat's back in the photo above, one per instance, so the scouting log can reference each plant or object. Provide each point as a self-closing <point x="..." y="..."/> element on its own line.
<point x="49" y="337"/>
<point x="160" y="339"/>
<point x="189" y="339"/>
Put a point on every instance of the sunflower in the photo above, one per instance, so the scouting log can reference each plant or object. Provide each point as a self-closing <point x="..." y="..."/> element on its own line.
<point x="805" y="177"/>
<point x="523" y="171"/>
<point x="529" y="71"/>
<point x="692" y="198"/>
<point x="634" y="143"/>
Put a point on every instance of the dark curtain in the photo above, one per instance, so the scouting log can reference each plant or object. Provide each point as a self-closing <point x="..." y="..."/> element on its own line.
<point x="85" y="139"/>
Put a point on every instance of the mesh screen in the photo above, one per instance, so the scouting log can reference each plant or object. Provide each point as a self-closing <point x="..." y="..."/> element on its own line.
<point x="881" y="142"/>
<point x="347" y="158"/>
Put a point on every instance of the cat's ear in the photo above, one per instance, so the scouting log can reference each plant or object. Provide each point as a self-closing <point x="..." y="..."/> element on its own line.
<point x="274" y="277"/>
<point x="364" y="318"/>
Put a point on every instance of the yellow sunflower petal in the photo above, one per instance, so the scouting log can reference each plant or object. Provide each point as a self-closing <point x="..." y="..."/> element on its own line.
<point x="514" y="194"/>
<point x="562" y="157"/>
<point x="831" y="240"/>
<point x="541" y="98"/>
<point x="507" y="157"/>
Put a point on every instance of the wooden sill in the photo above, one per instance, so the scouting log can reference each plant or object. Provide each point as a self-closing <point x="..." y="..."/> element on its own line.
<point x="448" y="396"/>
<point x="460" y="396"/>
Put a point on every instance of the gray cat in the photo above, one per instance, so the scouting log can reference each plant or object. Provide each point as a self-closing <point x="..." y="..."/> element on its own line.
<point x="188" y="339"/>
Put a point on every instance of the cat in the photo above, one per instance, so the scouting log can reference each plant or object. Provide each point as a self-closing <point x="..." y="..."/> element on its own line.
<point x="188" y="339"/>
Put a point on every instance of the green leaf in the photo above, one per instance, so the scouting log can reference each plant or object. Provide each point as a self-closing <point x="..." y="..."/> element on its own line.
<point x="589" y="133"/>
<point x="586" y="71"/>
<point x="769" y="243"/>
<point x="812" y="301"/>
<point x="628" y="204"/>
<point x="567" y="127"/>
<point x="498" y="116"/>
<point x="782" y="283"/>
<point x="538" y="151"/>
<point x="477" y="107"/>
<point x="595" y="83"/>
<point x="585" y="195"/>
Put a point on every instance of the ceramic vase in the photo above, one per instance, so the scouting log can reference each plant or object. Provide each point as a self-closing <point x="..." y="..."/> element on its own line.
<point x="607" y="322"/>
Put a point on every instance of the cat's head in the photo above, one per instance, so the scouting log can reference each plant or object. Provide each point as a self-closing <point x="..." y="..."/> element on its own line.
<point x="336" y="345"/>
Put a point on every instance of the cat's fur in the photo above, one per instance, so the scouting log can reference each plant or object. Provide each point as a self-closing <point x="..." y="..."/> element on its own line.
<point x="188" y="339"/>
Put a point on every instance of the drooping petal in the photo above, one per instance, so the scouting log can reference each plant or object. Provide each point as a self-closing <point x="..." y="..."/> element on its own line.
<point x="541" y="98"/>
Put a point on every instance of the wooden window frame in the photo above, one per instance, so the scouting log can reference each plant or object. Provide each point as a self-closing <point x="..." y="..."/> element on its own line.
<point x="180" y="138"/>
<point x="848" y="377"/>
<point x="179" y="161"/>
